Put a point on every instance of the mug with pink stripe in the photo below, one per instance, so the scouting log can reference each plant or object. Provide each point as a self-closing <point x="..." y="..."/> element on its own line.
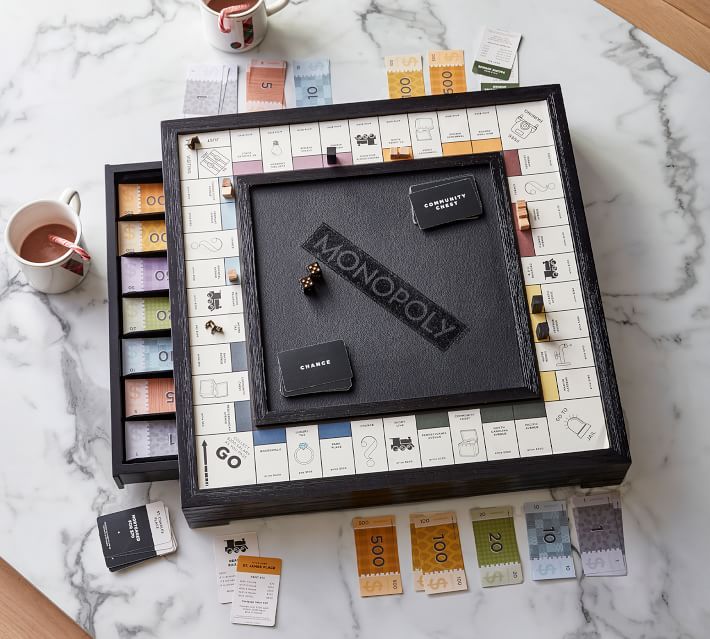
<point x="44" y="237"/>
<point x="237" y="26"/>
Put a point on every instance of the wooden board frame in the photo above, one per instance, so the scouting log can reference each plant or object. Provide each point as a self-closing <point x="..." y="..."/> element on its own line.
<point x="262" y="414"/>
<point x="591" y="468"/>
<point x="141" y="470"/>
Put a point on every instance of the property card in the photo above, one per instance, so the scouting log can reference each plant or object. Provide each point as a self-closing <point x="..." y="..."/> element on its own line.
<point x="599" y="534"/>
<point x="446" y="201"/>
<point x="256" y="591"/>
<point x="488" y="84"/>
<point x="496" y="546"/>
<point x="228" y="547"/>
<point x="377" y="556"/>
<point x="440" y="555"/>
<point x="549" y="540"/>
<point x="496" y="54"/>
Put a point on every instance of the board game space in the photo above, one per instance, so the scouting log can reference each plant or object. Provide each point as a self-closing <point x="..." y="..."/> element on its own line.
<point x="446" y="304"/>
<point x="521" y="395"/>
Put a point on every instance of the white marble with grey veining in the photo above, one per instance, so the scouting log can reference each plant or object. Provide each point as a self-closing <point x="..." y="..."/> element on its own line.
<point x="84" y="84"/>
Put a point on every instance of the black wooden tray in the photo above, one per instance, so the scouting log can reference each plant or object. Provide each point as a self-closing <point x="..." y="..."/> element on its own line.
<point x="139" y="470"/>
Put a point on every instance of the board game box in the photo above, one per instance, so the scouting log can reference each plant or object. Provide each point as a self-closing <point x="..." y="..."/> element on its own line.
<point x="269" y="215"/>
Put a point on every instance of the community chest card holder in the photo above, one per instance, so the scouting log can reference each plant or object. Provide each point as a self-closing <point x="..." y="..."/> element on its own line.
<point x="524" y="394"/>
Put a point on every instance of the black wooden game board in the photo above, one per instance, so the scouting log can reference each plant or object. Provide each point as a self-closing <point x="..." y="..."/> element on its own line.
<point x="566" y="429"/>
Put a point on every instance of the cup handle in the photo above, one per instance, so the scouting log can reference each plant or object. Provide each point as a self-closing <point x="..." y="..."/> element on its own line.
<point x="276" y="7"/>
<point x="71" y="195"/>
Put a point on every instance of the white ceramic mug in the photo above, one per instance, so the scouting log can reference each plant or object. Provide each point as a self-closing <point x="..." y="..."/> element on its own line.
<point x="240" y="30"/>
<point x="70" y="268"/>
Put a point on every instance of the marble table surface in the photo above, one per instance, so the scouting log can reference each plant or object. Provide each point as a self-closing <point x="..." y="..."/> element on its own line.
<point x="85" y="84"/>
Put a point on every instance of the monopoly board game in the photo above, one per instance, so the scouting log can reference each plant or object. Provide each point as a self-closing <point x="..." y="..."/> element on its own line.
<point x="568" y="431"/>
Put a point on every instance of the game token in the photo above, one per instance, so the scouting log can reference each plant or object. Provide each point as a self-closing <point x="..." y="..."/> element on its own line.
<point x="227" y="189"/>
<point x="537" y="304"/>
<point x="401" y="153"/>
<point x="232" y="275"/>
<point x="332" y="157"/>
<point x="193" y="142"/>
<point x="542" y="330"/>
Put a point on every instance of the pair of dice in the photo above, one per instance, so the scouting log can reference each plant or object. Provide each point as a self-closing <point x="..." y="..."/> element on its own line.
<point x="308" y="283"/>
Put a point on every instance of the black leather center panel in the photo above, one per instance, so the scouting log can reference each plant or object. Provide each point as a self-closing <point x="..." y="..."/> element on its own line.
<point x="470" y="269"/>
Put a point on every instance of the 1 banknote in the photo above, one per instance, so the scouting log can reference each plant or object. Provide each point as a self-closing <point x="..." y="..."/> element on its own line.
<point x="405" y="78"/>
<point x="210" y="89"/>
<point x="146" y="439"/>
<point x="496" y="546"/>
<point x="549" y="540"/>
<point x="600" y="534"/>
<point x="377" y="556"/>
<point x="439" y="552"/>
<point x="447" y="72"/>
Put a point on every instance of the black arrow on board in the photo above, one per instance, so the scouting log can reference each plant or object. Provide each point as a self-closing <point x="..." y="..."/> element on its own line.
<point x="204" y="457"/>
